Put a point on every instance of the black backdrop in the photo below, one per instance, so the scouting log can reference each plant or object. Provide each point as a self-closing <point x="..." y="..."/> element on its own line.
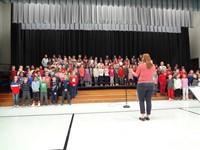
<point x="29" y="46"/>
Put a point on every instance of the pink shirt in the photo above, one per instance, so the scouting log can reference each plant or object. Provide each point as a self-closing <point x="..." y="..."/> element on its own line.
<point x="112" y="72"/>
<point x="184" y="82"/>
<point x="145" y="75"/>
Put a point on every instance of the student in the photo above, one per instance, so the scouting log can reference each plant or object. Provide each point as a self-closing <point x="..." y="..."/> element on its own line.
<point x="121" y="75"/>
<point x="95" y="75"/>
<point x="87" y="76"/>
<point x="106" y="76"/>
<point x="155" y="80"/>
<point x="130" y="75"/>
<point x="163" y="81"/>
<point x="13" y="73"/>
<point x="35" y="90"/>
<point x="184" y="81"/>
<point x="15" y="86"/>
<point x="101" y="74"/>
<point x="177" y="87"/>
<point x="170" y="87"/>
<point x="43" y="91"/>
<point x="112" y="75"/>
<point x="73" y="81"/>
<point x="26" y="91"/>
<point x="65" y="89"/>
<point x="54" y="91"/>
<point x="48" y="80"/>
<point x="81" y="74"/>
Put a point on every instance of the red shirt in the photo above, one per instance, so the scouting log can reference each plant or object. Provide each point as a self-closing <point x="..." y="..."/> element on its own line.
<point x="41" y="71"/>
<point x="145" y="75"/>
<point x="162" y="78"/>
<point x="15" y="87"/>
<point x="73" y="80"/>
<point x="182" y="73"/>
<point x="121" y="73"/>
<point x="12" y="74"/>
<point x="48" y="80"/>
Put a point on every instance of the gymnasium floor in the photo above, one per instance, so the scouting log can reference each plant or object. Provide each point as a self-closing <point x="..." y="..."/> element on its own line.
<point x="103" y="126"/>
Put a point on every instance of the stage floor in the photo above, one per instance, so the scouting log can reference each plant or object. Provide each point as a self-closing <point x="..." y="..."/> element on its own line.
<point x="174" y="125"/>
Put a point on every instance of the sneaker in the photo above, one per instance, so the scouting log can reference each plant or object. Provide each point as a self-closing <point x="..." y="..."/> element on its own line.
<point x="17" y="106"/>
<point x="38" y="104"/>
<point x="33" y="104"/>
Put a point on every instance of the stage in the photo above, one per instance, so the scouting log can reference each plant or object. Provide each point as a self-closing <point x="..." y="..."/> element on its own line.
<point x="174" y="125"/>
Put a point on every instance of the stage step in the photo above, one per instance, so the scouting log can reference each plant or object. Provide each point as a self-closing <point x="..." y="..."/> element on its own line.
<point x="92" y="96"/>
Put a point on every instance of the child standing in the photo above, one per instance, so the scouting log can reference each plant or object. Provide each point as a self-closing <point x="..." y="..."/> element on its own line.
<point x="112" y="75"/>
<point x="107" y="77"/>
<point x="177" y="87"/>
<point x="184" y="81"/>
<point x="73" y="81"/>
<point x="155" y="80"/>
<point x="95" y="75"/>
<point x="26" y="91"/>
<point x="65" y="89"/>
<point x="54" y="91"/>
<point x="121" y="75"/>
<point x="43" y="91"/>
<point x="170" y="87"/>
<point x="15" y="86"/>
<point x="13" y="73"/>
<point x="101" y="73"/>
<point x="87" y="76"/>
<point x="163" y="81"/>
<point x="35" y="89"/>
<point x="81" y="74"/>
<point x="130" y="75"/>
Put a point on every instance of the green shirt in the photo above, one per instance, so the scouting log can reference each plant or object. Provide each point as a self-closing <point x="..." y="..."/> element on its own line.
<point x="43" y="87"/>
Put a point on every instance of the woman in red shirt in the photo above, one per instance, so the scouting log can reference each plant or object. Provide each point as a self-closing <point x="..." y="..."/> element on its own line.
<point x="145" y="86"/>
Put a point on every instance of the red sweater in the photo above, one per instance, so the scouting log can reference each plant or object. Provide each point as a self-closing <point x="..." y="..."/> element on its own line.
<point x="121" y="73"/>
<point x="12" y="74"/>
<point x="162" y="78"/>
<point x="73" y="80"/>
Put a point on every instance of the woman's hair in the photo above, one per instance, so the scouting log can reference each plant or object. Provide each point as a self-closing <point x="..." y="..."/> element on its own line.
<point x="147" y="60"/>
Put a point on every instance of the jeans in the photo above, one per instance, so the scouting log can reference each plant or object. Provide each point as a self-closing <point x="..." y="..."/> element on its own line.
<point x="26" y="95"/>
<point x="43" y="95"/>
<point x="96" y="80"/>
<point x="145" y="92"/>
<point x="65" y="94"/>
<point x="54" y="97"/>
<point x="72" y="91"/>
<point x="16" y="98"/>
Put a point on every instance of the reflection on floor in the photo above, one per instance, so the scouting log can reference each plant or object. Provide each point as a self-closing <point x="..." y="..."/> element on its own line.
<point x="174" y="125"/>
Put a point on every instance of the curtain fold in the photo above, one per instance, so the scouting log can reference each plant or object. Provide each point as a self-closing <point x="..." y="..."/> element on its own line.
<point x="78" y="16"/>
<point x="30" y="45"/>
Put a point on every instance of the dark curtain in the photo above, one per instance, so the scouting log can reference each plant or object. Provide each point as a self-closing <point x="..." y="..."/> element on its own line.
<point x="29" y="46"/>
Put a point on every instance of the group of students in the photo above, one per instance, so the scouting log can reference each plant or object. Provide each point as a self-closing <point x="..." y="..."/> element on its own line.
<point x="176" y="83"/>
<point x="41" y="88"/>
<point x="62" y="76"/>
<point x="97" y="71"/>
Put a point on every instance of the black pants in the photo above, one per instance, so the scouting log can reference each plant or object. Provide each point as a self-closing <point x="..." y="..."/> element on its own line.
<point x="177" y="93"/>
<point x="65" y="94"/>
<point x="145" y="92"/>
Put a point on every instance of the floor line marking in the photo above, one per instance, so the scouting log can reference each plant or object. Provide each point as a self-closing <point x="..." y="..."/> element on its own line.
<point x="83" y="113"/>
<point x="68" y="133"/>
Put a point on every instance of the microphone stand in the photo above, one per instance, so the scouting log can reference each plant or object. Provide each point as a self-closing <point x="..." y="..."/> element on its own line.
<point x="126" y="106"/>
